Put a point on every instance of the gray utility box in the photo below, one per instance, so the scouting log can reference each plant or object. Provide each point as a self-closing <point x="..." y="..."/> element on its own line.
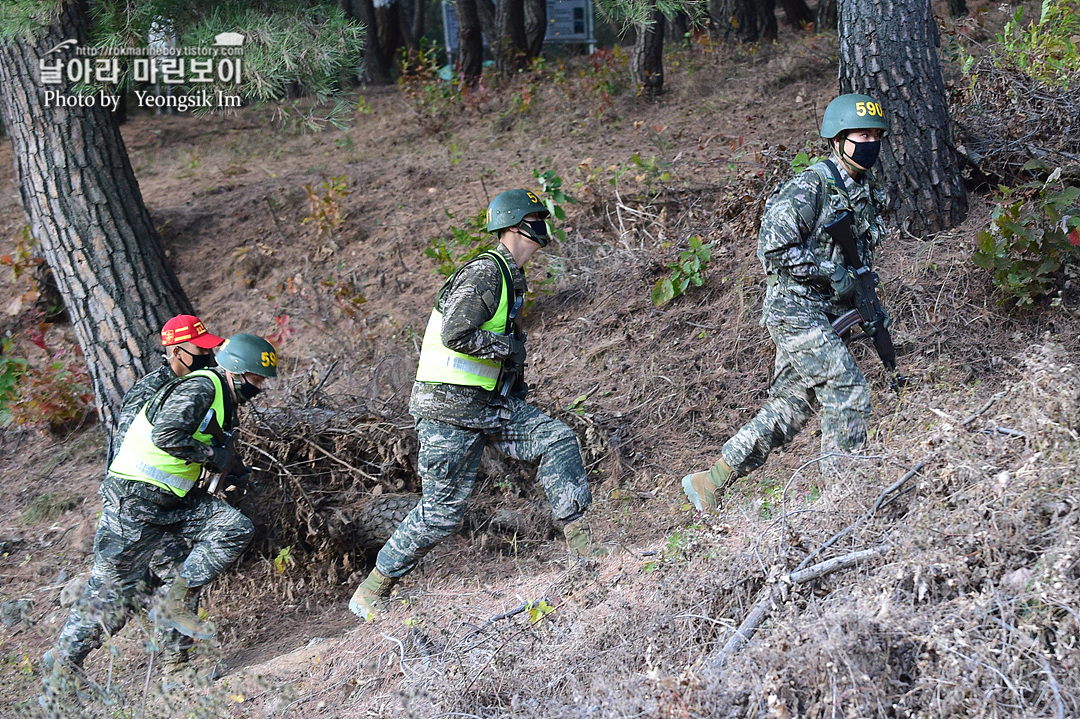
<point x="569" y="21"/>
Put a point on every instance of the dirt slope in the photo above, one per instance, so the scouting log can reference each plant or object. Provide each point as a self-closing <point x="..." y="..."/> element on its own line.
<point x="971" y="613"/>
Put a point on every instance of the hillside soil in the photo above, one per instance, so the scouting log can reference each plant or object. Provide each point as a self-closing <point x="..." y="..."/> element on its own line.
<point x="971" y="610"/>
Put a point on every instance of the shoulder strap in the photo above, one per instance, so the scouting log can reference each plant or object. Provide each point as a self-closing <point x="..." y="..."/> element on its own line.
<point x="504" y="268"/>
<point x="155" y="403"/>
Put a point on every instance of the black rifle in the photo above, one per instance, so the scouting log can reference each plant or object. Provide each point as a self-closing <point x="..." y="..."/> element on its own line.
<point x="870" y="312"/>
<point x="510" y="374"/>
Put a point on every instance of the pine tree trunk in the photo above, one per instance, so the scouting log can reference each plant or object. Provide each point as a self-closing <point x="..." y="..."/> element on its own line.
<point x="647" y="60"/>
<point x="889" y="50"/>
<point x="677" y="28"/>
<point x="826" y="16"/>
<point x="509" y="44"/>
<point x="797" y="12"/>
<point x="85" y="208"/>
<point x="535" y="27"/>
<point x="486" y="10"/>
<point x="378" y="72"/>
<point x="767" y="29"/>
<point x="417" y="31"/>
<point x="388" y="25"/>
<point x="470" y="43"/>
<point x="737" y="20"/>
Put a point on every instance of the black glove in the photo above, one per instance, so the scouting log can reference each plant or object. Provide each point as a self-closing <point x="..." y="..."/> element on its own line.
<point x="516" y="357"/>
<point x="520" y="390"/>
<point x="843" y="284"/>
<point x="238" y="474"/>
<point x="218" y="458"/>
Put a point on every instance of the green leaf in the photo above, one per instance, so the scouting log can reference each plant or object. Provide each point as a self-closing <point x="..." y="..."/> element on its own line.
<point x="662" y="292"/>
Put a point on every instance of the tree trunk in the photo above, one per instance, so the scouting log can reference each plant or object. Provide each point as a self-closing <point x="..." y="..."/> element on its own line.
<point x="767" y="29"/>
<point x="797" y="12"/>
<point x="417" y="31"/>
<point x="470" y="44"/>
<point x="509" y="43"/>
<point x="85" y="208"/>
<point x="647" y="60"/>
<point x="486" y="10"/>
<point x="388" y="25"/>
<point x="889" y="50"/>
<point x="826" y="15"/>
<point x="536" y="22"/>
<point x="958" y="8"/>
<point x="375" y="67"/>
<point x="678" y="26"/>
<point x="738" y="20"/>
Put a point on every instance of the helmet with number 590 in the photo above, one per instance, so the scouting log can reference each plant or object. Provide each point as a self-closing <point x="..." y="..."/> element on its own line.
<point x="853" y="112"/>
<point x="248" y="353"/>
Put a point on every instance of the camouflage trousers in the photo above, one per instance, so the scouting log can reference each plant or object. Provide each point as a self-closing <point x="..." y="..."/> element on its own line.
<point x="449" y="460"/>
<point x="812" y="366"/>
<point x="141" y="526"/>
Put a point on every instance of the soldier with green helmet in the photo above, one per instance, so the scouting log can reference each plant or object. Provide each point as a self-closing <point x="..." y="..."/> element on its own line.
<point x="809" y="286"/>
<point x="150" y="494"/>
<point x="470" y="393"/>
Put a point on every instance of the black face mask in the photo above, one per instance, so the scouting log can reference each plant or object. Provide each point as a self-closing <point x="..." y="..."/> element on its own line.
<point x="198" y="361"/>
<point x="866" y="153"/>
<point x="245" y="391"/>
<point x="537" y="231"/>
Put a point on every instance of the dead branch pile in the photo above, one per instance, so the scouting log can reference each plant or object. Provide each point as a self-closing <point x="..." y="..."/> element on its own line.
<point x="1006" y="118"/>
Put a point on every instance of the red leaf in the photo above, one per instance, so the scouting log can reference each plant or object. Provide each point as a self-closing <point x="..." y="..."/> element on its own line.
<point x="1074" y="237"/>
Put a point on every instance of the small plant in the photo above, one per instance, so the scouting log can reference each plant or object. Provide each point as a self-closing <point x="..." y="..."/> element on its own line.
<point x="538" y="610"/>
<point x="465" y="242"/>
<point x="672" y="548"/>
<point x="50" y="397"/>
<point x="325" y="207"/>
<point x="553" y="197"/>
<point x="284" y="559"/>
<point x="362" y="106"/>
<point x="1034" y="241"/>
<point x="49" y="506"/>
<point x="685" y="272"/>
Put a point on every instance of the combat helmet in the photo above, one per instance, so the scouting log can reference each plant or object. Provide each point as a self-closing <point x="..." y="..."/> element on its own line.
<point x="248" y="353"/>
<point x="853" y="112"/>
<point x="509" y="208"/>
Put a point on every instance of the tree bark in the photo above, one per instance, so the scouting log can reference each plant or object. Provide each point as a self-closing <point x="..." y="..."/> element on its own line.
<point x="535" y="27"/>
<point x="746" y="20"/>
<point x="889" y="50"/>
<point x="470" y="43"/>
<point x="958" y="8"/>
<point x="677" y="28"/>
<point x="375" y="67"/>
<point x="797" y="12"/>
<point x="826" y="15"/>
<point x="486" y="10"/>
<point x="767" y="29"/>
<point x="388" y="28"/>
<point x="509" y="42"/>
<point x="85" y="208"/>
<point x="417" y="30"/>
<point x="647" y="60"/>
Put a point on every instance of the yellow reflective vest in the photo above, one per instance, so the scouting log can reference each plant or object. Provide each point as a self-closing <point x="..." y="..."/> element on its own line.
<point x="139" y="459"/>
<point x="440" y="364"/>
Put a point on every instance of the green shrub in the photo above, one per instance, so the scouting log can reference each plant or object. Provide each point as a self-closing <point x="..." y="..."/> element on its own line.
<point x="1034" y="239"/>
<point x="465" y="242"/>
<point x="685" y="272"/>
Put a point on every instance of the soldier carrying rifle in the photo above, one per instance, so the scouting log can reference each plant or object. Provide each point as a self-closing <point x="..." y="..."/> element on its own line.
<point x="814" y="280"/>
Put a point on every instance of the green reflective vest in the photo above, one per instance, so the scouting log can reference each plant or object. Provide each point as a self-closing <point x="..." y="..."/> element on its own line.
<point x="440" y="364"/>
<point x="141" y="460"/>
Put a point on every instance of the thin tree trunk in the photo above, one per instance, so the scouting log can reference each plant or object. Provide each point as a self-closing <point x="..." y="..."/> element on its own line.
<point x="737" y="20"/>
<point x="509" y="44"/>
<point x="85" y="208"/>
<point x="535" y="27"/>
<point x="826" y="15"/>
<point x="677" y="28"/>
<point x="486" y="10"/>
<point x="767" y="29"/>
<point x="647" y="60"/>
<point x="378" y="71"/>
<point x="470" y="43"/>
<point x="797" y="12"/>
<point x="388" y="24"/>
<point x="889" y="50"/>
<point x="958" y="8"/>
<point x="417" y="23"/>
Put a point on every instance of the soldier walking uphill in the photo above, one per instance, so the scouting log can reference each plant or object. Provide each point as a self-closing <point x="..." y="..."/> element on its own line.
<point x="470" y="393"/>
<point x="149" y="495"/>
<point x="808" y="286"/>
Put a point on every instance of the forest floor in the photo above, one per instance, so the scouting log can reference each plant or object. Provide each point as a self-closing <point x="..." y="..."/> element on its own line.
<point x="971" y="611"/>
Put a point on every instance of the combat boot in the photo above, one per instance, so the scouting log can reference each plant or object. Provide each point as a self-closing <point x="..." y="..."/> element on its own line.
<point x="579" y="539"/>
<point x="700" y="487"/>
<point x="176" y="613"/>
<point x="370" y="591"/>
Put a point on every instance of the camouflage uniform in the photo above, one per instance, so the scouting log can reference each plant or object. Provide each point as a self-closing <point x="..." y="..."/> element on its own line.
<point x="137" y="518"/>
<point x="136" y="397"/>
<point x="456" y="422"/>
<point x="812" y="363"/>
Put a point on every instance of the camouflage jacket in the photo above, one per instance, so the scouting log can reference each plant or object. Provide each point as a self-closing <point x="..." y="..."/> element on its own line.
<point x="470" y="300"/>
<point x="177" y="411"/>
<point x="136" y="397"/>
<point x="798" y="255"/>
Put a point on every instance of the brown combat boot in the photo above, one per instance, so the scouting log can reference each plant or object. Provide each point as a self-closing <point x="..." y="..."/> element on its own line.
<point x="370" y="591"/>
<point x="700" y="487"/>
<point x="579" y="539"/>
<point x="176" y="613"/>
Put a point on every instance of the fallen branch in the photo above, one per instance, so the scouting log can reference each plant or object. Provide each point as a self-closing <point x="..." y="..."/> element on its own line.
<point x="971" y="417"/>
<point x="762" y="607"/>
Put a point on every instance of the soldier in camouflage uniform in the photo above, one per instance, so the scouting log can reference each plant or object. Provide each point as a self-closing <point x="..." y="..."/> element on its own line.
<point x="149" y="495"/>
<point x="469" y="393"/>
<point x="808" y="287"/>
<point x="188" y="347"/>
